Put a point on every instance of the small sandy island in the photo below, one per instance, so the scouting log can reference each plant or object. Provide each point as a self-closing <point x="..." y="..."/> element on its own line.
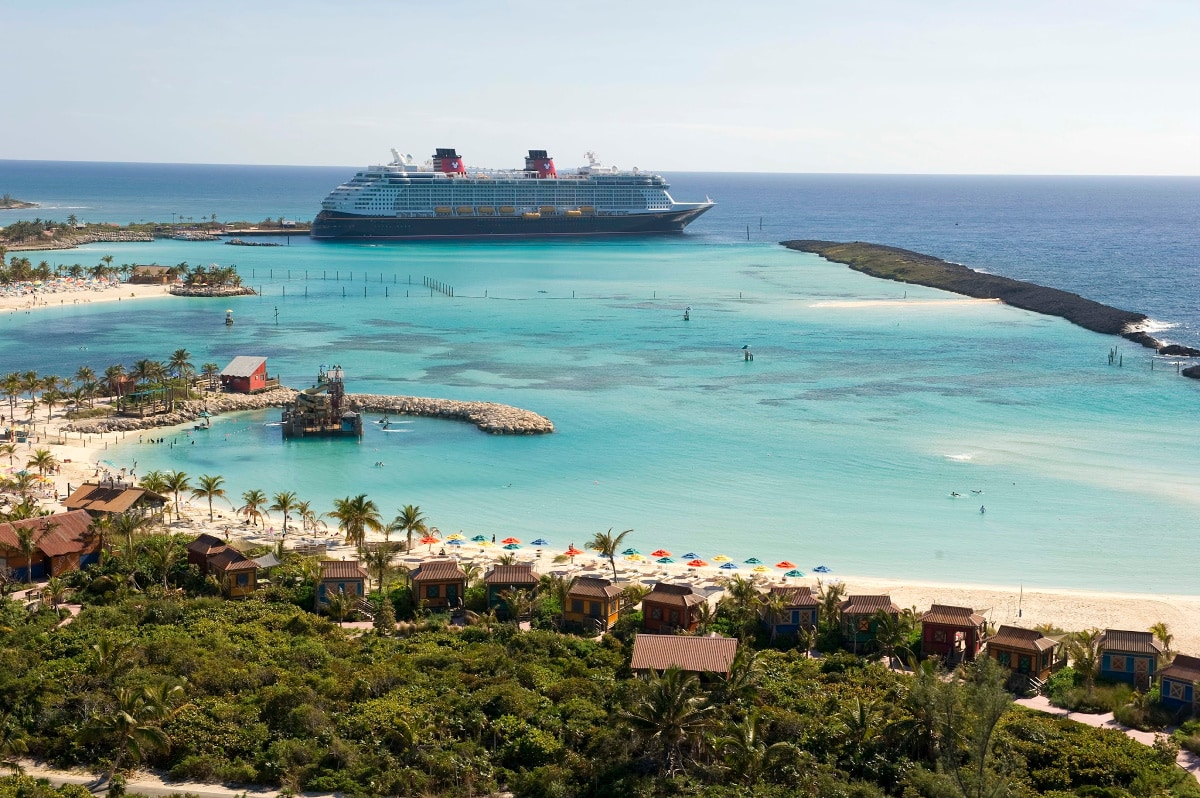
<point x="68" y="291"/>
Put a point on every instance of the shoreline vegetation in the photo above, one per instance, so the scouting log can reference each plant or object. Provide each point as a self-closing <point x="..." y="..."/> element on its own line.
<point x="9" y="203"/>
<point x="46" y="234"/>
<point x="905" y="266"/>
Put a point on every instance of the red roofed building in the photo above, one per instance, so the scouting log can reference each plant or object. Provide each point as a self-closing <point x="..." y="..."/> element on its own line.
<point x="237" y="574"/>
<point x="1027" y="652"/>
<point x="687" y="653"/>
<point x="439" y="584"/>
<point x="340" y="576"/>
<point x="860" y="620"/>
<point x="63" y="542"/>
<point x="669" y="607"/>
<point x="245" y="374"/>
<point x="954" y="634"/>
<point x="593" y="602"/>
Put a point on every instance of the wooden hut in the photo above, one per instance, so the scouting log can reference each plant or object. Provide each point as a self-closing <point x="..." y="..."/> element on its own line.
<point x="670" y="607"/>
<point x="245" y="374"/>
<point x="592" y="600"/>
<point x="504" y="579"/>
<point x="703" y="655"/>
<point x="63" y="542"/>
<point x="200" y="549"/>
<point x="1129" y="657"/>
<point x="439" y="584"/>
<point x="860" y="623"/>
<point x="801" y="610"/>
<point x="1027" y="652"/>
<point x="1180" y="684"/>
<point x="340" y="576"/>
<point x="151" y="275"/>
<point x="115" y="498"/>
<point x="237" y="574"/>
<point x="954" y="634"/>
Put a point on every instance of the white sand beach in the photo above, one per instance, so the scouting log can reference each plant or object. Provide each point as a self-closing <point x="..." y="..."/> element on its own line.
<point x="1069" y="610"/>
<point x="28" y="296"/>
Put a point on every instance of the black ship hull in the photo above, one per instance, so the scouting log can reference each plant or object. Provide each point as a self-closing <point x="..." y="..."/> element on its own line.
<point x="338" y="225"/>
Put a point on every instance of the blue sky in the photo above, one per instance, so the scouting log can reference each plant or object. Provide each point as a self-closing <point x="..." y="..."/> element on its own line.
<point x="875" y="87"/>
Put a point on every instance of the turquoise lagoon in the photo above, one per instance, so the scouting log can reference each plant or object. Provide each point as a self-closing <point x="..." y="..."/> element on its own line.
<point x="868" y="403"/>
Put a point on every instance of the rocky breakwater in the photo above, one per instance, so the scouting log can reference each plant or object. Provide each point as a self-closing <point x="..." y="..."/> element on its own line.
<point x="490" y="417"/>
<point x="186" y="412"/>
<point x="211" y="290"/>
<point x="902" y="265"/>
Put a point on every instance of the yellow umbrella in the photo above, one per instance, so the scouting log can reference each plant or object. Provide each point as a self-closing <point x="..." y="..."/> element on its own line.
<point x="455" y="536"/>
<point x="486" y="543"/>
<point x="635" y="557"/>
<point x="720" y="558"/>
<point x="760" y="569"/>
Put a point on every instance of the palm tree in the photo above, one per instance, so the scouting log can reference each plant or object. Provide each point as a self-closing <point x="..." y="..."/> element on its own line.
<point x="338" y="605"/>
<point x="180" y="362"/>
<point x="774" y="609"/>
<point x="31" y="382"/>
<point x="608" y="545"/>
<point x="744" y="751"/>
<point x="830" y="597"/>
<point x="55" y="591"/>
<point x="176" y="482"/>
<point x="284" y="502"/>
<point x="891" y="631"/>
<point x="9" y="450"/>
<point x="135" y="724"/>
<point x="356" y="516"/>
<point x="128" y="525"/>
<point x="114" y="375"/>
<point x="209" y="488"/>
<point x="253" y="502"/>
<point x="154" y="481"/>
<point x="379" y="561"/>
<point x="669" y="717"/>
<point x="559" y="588"/>
<point x="27" y="544"/>
<point x="84" y="375"/>
<point x="1084" y="650"/>
<point x="12" y="745"/>
<point x="50" y="400"/>
<point x="43" y="460"/>
<point x="1161" y="632"/>
<point x="309" y="518"/>
<point x="12" y="387"/>
<point x="162" y="553"/>
<point x="210" y="372"/>
<point x="408" y="521"/>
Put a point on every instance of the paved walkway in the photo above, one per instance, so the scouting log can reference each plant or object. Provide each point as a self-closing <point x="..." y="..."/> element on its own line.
<point x="1186" y="759"/>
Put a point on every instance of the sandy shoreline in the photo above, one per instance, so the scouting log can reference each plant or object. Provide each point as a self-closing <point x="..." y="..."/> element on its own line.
<point x="1067" y="609"/>
<point x="27" y="297"/>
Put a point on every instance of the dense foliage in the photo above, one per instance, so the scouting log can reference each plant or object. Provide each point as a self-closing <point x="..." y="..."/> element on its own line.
<point x="265" y="691"/>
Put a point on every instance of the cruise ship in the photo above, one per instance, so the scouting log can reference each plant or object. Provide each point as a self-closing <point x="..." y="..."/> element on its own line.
<point x="445" y="199"/>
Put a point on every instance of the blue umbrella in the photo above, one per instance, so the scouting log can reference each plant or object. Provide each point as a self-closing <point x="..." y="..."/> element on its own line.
<point x="665" y="560"/>
<point x="821" y="569"/>
<point x="511" y="546"/>
<point x="689" y="556"/>
<point x="540" y="542"/>
<point x="729" y="566"/>
<point x="455" y="542"/>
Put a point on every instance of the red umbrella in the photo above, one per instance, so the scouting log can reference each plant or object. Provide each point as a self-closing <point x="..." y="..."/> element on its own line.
<point x="506" y="541"/>
<point x="572" y="553"/>
<point x="660" y="553"/>
<point x="697" y="564"/>
<point x="784" y="565"/>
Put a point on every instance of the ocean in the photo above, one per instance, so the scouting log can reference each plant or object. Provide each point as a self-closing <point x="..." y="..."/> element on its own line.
<point x="868" y="403"/>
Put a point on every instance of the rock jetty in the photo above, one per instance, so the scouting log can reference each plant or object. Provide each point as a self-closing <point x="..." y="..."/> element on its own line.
<point x="490" y="417"/>
<point x="902" y="265"/>
<point x="495" y="419"/>
<point x="211" y="290"/>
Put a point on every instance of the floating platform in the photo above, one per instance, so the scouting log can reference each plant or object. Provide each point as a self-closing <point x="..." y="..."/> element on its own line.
<point x="321" y="411"/>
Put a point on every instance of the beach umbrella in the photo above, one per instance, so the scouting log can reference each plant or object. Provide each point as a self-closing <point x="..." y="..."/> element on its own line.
<point x="761" y="569"/>
<point x="660" y="553"/>
<point x="752" y="561"/>
<point x="720" y="558"/>
<point x="821" y="569"/>
<point x="429" y="539"/>
<point x="664" y="560"/>
<point x="697" y="563"/>
<point x="455" y="542"/>
<point x="785" y="564"/>
<point x="506" y="541"/>
<point x="630" y="550"/>
<point x="479" y="539"/>
<point x="573" y="552"/>
<point x="794" y="573"/>
<point x="512" y="546"/>
<point x="729" y="566"/>
<point x="540" y="542"/>
<point x="484" y="543"/>
<point x="636" y="557"/>
<point x="455" y="536"/>
<point x="690" y="556"/>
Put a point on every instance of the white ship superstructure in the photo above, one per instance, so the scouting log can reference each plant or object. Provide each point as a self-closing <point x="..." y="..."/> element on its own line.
<point x="535" y="201"/>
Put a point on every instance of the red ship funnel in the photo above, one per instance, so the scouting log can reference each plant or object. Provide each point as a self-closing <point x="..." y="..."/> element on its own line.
<point x="446" y="160"/>
<point x="538" y="161"/>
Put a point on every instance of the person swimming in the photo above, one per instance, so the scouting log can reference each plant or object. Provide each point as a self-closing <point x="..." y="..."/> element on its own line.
<point x="982" y="510"/>
<point x="954" y="494"/>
